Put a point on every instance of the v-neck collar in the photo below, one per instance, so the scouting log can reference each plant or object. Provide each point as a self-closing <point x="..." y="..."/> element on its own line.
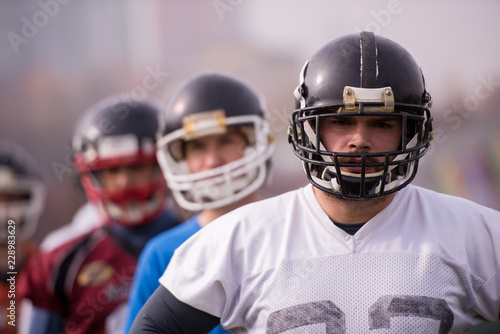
<point x="352" y="243"/>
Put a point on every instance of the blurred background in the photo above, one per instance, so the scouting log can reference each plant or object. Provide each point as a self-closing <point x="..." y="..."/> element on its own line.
<point x="58" y="57"/>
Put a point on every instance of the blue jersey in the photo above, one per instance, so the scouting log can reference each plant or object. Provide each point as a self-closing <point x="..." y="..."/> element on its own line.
<point x="152" y="263"/>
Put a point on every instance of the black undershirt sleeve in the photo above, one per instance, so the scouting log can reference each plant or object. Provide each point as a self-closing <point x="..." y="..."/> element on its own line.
<point x="163" y="313"/>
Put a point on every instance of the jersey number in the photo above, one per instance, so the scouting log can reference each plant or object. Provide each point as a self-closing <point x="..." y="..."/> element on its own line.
<point x="379" y="314"/>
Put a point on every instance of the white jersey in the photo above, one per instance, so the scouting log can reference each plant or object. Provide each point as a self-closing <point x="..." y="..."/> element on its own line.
<point x="427" y="263"/>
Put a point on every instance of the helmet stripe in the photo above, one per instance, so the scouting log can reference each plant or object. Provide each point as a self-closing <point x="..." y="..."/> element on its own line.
<point x="368" y="50"/>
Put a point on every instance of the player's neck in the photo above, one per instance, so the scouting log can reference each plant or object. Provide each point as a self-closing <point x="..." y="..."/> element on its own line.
<point x="351" y="212"/>
<point x="207" y="216"/>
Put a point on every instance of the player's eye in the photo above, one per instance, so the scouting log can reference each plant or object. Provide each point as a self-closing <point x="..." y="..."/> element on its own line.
<point x="195" y="146"/>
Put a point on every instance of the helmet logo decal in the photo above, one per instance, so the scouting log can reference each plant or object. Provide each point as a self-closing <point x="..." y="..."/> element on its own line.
<point x="95" y="273"/>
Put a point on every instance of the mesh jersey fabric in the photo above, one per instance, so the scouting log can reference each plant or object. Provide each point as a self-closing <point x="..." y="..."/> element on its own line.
<point x="427" y="263"/>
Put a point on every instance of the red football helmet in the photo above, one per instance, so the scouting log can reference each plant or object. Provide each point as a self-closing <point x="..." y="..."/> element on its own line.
<point x="118" y="132"/>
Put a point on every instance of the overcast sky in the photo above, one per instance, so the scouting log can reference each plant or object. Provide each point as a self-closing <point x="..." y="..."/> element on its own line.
<point x="455" y="40"/>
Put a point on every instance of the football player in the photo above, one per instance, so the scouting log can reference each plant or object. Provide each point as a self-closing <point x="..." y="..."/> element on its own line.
<point x="214" y="150"/>
<point x="360" y="249"/>
<point x="22" y="198"/>
<point x="82" y="285"/>
<point x="87" y="217"/>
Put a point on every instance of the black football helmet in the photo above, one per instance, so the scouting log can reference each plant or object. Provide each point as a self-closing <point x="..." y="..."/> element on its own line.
<point x="354" y="75"/>
<point x="210" y="103"/>
<point x="118" y="132"/>
<point x="22" y="193"/>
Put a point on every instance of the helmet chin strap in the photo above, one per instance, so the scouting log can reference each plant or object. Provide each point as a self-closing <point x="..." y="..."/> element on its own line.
<point x="352" y="185"/>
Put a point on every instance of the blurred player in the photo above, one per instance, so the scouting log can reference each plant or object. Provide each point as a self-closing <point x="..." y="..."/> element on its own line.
<point x="82" y="286"/>
<point x="22" y="198"/>
<point x="86" y="218"/>
<point x="214" y="150"/>
<point x="360" y="249"/>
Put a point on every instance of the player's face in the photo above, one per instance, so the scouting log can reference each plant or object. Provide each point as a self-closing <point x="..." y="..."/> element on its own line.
<point x="213" y="151"/>
<point x="126" y="176"/>
<point x="11" y="208"/>
<point x="361" y="134"/>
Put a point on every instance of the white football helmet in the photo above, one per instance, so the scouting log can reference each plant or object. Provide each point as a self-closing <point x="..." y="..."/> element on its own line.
<point x="211" y="103"/>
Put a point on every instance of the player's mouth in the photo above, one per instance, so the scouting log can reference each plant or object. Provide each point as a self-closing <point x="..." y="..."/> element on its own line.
<point x="356" y="168"/>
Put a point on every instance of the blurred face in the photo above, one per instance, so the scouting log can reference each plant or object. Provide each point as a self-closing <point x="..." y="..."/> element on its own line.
<point x="126" y="176"/>
<point x="213" y="151"/>
<point x="12" y="198"/>
<point x="12" y="206"/>
<point x="361" y="134"/>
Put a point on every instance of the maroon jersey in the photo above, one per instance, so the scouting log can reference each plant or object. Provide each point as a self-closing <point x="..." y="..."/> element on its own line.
<point x="10" y="302"/>
<point x="84" y="280"/>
